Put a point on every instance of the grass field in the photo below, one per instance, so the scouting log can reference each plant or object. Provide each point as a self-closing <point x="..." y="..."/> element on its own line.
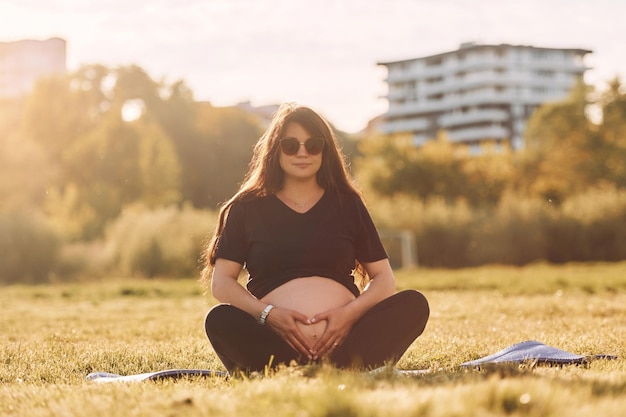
<point x="54" y="335"/>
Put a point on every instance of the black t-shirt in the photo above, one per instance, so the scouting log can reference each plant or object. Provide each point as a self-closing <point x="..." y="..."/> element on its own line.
<point x="277" y="244"/>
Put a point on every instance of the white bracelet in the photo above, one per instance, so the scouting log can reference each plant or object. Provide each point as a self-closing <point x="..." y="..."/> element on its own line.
<point x="264" y="314"/>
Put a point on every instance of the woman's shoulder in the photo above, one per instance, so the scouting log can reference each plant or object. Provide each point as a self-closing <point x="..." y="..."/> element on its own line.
<point x="346" y="201"/>
<point x="253" y="203"/>
<point x="349" y="197"/>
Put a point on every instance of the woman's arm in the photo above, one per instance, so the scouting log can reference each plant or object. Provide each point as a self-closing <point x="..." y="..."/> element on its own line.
<point x="226" y="289"/>
<point x="341" y="320"/>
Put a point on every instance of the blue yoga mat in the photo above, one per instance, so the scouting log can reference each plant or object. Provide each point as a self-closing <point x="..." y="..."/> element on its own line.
<point x="529" y="351"/>
<point x="533" y="351"/>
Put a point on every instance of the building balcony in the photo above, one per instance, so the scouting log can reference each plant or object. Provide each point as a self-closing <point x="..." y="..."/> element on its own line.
<point x="485" y="79"/>
<point x="397" y="126"/>
<point x="487" y="66"/>
<point x="483" y="97"/>
<point x="475" y="116"/>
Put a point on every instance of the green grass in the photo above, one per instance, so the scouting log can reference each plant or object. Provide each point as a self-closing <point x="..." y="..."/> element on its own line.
<point x="54" y="335"/>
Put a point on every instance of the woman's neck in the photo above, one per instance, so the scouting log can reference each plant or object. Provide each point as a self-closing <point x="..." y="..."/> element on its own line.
<point x="300" y="193"/>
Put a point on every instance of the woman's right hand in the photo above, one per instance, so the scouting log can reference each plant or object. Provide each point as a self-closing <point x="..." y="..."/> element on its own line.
<point x="227" y="289"/>
<point x="283" y="322"/>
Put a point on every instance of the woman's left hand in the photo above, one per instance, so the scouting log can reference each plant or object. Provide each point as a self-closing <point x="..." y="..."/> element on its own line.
<point x="340" y="321"/>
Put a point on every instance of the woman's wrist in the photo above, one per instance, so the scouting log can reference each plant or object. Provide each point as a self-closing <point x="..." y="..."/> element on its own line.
<point x="265" y="313"/>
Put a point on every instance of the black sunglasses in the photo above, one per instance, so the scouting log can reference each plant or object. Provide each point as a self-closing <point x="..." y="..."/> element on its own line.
<point x="291" y="146"/>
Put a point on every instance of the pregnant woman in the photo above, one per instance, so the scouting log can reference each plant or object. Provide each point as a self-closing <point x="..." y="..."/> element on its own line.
<point x="302" y="232"/>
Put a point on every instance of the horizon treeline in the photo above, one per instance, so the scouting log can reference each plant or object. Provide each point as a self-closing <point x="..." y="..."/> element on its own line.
<point x="107" y="171"/>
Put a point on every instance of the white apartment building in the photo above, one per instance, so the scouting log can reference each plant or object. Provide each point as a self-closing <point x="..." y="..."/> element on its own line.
<point x="23" y="62"/>
<point x="478" y="92"/>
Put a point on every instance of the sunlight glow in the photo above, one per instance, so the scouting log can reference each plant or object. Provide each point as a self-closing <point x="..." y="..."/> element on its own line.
<point x="133" y="109"/>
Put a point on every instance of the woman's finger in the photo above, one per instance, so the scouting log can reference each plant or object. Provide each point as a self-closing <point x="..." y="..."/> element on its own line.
<point x="285" y="326"/>
<point x="328" y="342"/>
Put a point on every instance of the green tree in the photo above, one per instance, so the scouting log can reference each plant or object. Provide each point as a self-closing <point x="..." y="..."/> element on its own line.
<point x="488" y="175"/>
<point x="24" y="167"/>
<point x="61" y="110"/>
<point x="29" y="247"/>
<point x="392" y="165"/>
<point x="385" y="164"/>
<point x="226" y="139"/>
<point x="558" y="158"/>
<point x="102" y="159"/>
<point x="177" y="114"/>
<point x="119" y="163"/>
<point x="611" y="162"/>
<point x="158" y="166"/>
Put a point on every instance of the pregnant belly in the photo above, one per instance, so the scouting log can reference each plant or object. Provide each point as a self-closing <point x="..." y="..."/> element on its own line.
<point x="310" y="296"/>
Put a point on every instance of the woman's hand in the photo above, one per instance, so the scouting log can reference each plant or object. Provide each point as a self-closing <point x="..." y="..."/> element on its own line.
<point x="226" y="289"/>
<point x="340" y="321"/>
<point x="283" y="322"/>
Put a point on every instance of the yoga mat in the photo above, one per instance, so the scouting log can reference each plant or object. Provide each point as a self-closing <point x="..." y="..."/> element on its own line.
<point x="154" y="376"/>
<point x="533" y="351"/>
<point x="528" y="351"/>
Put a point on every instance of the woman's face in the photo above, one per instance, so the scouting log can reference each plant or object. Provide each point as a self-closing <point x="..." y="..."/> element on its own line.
<point x="302" y="165"/>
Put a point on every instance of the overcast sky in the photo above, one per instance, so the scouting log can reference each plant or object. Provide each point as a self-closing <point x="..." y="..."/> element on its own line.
<point x="321" y="53"/>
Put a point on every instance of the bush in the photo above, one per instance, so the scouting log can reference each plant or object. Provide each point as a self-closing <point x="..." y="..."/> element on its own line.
<point x="512" y="233"/>
<point x="442" y="231"/>
<point x="81" y="261"/>
<point x="591" y="227"/>
<point x="519" y="230"/>
<point x="29" y="248"/>
<point x="443" y="234"/>
<point x="162" y="242"/>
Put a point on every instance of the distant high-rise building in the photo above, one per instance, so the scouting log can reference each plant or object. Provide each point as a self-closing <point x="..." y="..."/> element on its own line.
<point x="478" y="92"/>
<point x="23" y="62"/>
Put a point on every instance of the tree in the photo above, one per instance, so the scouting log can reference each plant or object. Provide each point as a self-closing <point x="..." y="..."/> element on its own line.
<point x="177" y="114"/>
<point x="558" y="158"/>
<point x="24" y="167"/>
<point x="612" y="136"/>
<point x="104" y="160"/>
<point x="61" y="110"/>
<point x="101" y="174"/>
<point x="159" y="166"/>
<point x="394" y="165"/>
<point x="488" y="175"/>
<point x="226" y="138"/>
<point x="386" y="163"/>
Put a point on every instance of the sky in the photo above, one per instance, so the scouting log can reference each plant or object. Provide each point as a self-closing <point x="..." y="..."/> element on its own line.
<point x="320" y="53"/>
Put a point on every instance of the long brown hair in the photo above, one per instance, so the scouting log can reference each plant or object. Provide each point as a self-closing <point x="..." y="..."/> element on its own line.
<point x="265" y="176"/>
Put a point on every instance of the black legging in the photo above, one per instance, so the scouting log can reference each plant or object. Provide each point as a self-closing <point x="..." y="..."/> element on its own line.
<point x="379" y="337"/>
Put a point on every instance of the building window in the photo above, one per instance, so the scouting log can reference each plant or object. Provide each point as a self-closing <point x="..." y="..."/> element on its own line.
<point x="544" y="74"/>
<point x="433" y="62"/>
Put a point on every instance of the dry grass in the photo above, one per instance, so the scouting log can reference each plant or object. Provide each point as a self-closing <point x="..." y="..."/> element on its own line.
<point x="53" y="336"/>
